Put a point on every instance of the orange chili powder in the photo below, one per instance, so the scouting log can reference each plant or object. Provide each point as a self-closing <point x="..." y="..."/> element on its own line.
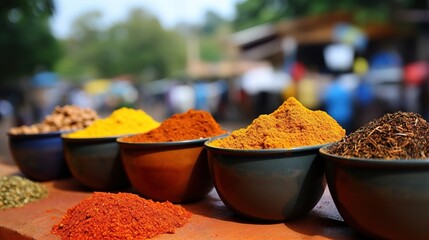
<point x="193" y="124"/>
<point x="120" y="216"/>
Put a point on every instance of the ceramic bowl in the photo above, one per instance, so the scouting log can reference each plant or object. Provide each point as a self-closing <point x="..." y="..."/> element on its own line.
<point x="168" y="171"/>
<point x="95" y="162"/>
<point x="270" y="184"/>
<point x="39" y="157"/>
<point x="382" y="199"/>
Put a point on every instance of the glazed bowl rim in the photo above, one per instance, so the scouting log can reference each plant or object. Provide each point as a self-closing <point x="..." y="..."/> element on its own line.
<point x="165" y="144"/>
<point x="374" y="161"/>
<point x="261" y="151"/>
<point x="65" y="137"/>
<point x="44" y="134"/>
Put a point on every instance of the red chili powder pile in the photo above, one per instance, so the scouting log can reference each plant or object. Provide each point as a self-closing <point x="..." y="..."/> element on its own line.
<point x="120" y="216"/>
<point x="193" y="124"/>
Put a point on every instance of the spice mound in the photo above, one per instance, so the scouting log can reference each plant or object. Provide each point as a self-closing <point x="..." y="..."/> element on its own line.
<point x="399" y="135"/>
<point x="16" y="191"/>
<point x="120" y="216"/>
<point x="193" y="124"/>
<point x="291" y="125"/>
<point x="66" y="118"/>
<point x="121" y="122"/>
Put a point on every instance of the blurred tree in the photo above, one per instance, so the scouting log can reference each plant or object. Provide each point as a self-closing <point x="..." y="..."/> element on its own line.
<point x="213" y="34"/>
<point x="137" y="46"/>
<point x="26" y="40"/>
<point x="254" y="12"/>
<point x="212" y="23"/>
<point x="209" y="37"/>
<point x="82" y="47"/>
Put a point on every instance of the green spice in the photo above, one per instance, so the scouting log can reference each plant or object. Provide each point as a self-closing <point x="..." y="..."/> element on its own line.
<point x="16" y="191"/>
<point x="399" y="135"/>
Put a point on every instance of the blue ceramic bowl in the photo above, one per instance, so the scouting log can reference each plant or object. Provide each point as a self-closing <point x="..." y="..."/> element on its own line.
<point x="270" y="184"/>
<point x="168" y="171"/>
<point x="39" y="157"/>
<point x="382" y="199"/>
<point x="95" y="162"/>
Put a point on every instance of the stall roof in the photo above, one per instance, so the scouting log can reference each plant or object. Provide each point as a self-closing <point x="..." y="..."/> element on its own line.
<point x="262" y="41"/>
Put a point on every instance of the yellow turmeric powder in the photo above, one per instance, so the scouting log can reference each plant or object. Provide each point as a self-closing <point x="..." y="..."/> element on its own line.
<point x="291" y="125"/>
<point x="122" y="121"/>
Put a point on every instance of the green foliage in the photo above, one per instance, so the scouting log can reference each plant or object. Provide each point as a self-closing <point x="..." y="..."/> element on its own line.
<point x="212" y="36"/>
<point x="25" y="38"/>
<point x="210" y="50"/>
<point x="255" y="12"/>
<point x="138" y="46"/>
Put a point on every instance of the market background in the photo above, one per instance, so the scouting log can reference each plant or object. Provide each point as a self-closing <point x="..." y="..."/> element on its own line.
<point x="234" y="58"/>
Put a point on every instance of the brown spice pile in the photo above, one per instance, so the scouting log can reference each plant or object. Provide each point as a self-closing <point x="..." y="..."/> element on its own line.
<point x="66" y="118"/>
<point x="400" y="135"/>
<point x="120" y="216"/>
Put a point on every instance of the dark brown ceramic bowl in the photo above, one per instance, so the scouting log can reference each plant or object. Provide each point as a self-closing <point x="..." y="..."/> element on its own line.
<point x="382" y="199"/>
<point x="168" y="171"/>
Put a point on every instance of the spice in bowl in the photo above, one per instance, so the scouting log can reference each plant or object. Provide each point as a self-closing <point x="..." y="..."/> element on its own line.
<point x="377" y="177"/>
<point x="291" y="125"/>
<point x="38" y="150"/>
<point x="193" y="124"/>
<point x="66" y="118"/>
<point x="16" y="191"/>
<point x="122" y="121"/>
<point x="120" y="216"/>
<point x="169" y="163"/>
<point x="399" y="135"/>
<point x="271" y="170"/>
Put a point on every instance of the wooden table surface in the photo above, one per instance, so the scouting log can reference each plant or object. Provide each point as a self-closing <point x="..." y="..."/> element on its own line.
<point x="211" y="218"/>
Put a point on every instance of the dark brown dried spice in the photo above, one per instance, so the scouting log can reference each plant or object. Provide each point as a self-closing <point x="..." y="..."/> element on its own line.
<point x="399" y="135"/>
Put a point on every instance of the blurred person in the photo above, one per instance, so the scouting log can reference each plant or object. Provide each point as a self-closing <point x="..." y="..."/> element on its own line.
<point x="424" y="99"/>
<point x="351" y="35"/>
<point x="222" y="107"/>
<point x="81" y="98"/>
<point x="290" y="90"/>
<point x="6" y="109"/>
<point x="125" y="93"/>
<point x="213" y="96"/>
<point x="291" y="67"/>
<point x="308" y="92"/>
<point x="289" y="46"/>
<point x="43" y="93"/>
<point x="339" y="57"/>
<point x="180" y="98"/>
<point x="242" y="104"/>
<point x="415" y="74"/>
<point x="207" y="96"/>
<point x="297" y="72"/>
<point x="386" y="77"/>
<point x="365" y="108"/>
<point x="303" y="86"/>
<point x="385" y="59"/>
<point x="338" y="103"/>
<point x="364" y="93"/>
<point x="201" y="95"/>
<point x="260" y="83"/>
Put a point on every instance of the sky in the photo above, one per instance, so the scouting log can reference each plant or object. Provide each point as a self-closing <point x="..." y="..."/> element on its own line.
<point x="169" y="12"/>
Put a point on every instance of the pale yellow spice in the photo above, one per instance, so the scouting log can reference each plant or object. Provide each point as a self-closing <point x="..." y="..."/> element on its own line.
<point x="291" y="125"/>
<point x="122" y="121"/>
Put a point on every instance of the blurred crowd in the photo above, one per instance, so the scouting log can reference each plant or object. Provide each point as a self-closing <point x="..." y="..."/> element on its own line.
<point x="352" y="87"/>
<point x="369" y="88"/>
